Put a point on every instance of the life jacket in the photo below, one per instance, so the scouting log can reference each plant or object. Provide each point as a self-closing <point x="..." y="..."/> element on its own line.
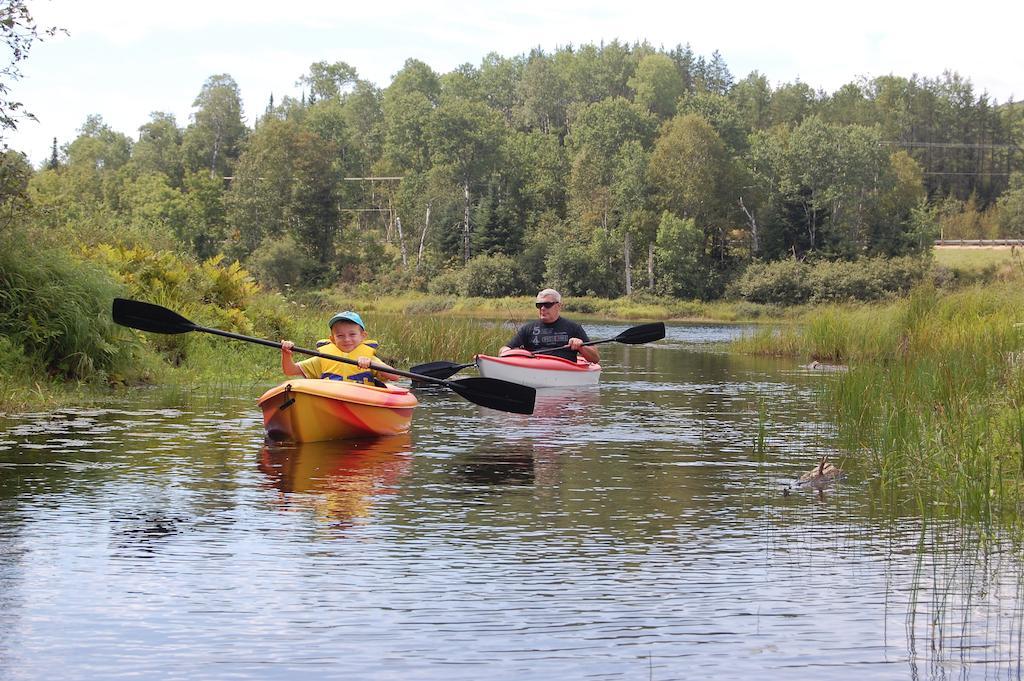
<point x="343" y="371"/>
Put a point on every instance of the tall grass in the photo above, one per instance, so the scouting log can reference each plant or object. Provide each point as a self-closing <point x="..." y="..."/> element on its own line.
<point x="409" y="338"/>
<point x="831" y="333"/>
<point x="934" y="396"/>
<point x="54" y="314"/>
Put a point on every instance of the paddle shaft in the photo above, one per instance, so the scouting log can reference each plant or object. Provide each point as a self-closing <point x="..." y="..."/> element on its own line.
<point x="646" y="332"/>
<point x="450" y="369"/>
<point x="566" y="347"/>
<point x="487" y="392"/>
<point x="314" y="353"/>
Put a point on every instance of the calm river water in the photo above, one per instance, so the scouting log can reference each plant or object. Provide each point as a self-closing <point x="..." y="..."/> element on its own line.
<point x="632" y="531"/>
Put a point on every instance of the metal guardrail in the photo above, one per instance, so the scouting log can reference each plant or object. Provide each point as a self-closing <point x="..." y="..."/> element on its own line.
<point x="979" y="242"/>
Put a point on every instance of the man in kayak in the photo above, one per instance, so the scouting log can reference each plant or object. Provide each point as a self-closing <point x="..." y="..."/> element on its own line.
<point x="551" y="330"/>
<point x="348" y="340"/>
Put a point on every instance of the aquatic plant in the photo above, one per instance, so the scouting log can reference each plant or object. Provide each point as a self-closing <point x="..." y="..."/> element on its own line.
<point x="932" y="403"/>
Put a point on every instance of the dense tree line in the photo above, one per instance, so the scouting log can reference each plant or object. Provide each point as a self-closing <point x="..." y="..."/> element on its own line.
<point x="604" y="169"/>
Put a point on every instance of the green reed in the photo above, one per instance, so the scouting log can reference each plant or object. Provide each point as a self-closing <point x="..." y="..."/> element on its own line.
<point x="411" y="339"/>
<point x="760" y="440"/>
<point x="932" y="401"/>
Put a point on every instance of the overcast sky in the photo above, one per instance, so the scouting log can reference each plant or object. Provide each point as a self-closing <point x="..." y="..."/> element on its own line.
<point x="125" y="59"/>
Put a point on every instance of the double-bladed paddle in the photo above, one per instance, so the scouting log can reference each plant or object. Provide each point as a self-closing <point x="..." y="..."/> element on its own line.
<point x="487" y="392"/>
<point x="636" y="335"/>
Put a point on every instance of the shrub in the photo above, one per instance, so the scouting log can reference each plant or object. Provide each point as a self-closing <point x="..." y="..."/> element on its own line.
<point x="842" y="280"/>
<point x="178" y="282"/>
<point x="579" y="305"/>
<point x="789" y="282"/>
<point x="447" y="283"/>
<point x="491" y="276"/>
<point x="207" y="293"/>
<point x="784" y="282"/>
<point x="280" y="263"/>
<point x="900" y="275"/>
<point x="397" y="279"/>
<point x="224" y="286"/>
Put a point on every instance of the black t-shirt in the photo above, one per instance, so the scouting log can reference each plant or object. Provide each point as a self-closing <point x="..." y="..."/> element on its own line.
<point x="537" y="335"/>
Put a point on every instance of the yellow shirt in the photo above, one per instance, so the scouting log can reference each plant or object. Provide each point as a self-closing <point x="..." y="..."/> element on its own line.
<point x="321" y="367"/>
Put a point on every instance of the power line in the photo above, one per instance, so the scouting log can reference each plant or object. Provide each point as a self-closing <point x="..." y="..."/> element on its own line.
<point x="358" y="179"/>
<point x="980" y="172"/>
<point x="952" y="145"/>
<point x="347" y="179"/>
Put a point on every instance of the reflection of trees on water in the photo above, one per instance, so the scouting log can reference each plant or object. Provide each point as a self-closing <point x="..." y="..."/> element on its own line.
<point x="497" y="464"/>
<point x="144" y="532"/>
<point x="338" y="479"/>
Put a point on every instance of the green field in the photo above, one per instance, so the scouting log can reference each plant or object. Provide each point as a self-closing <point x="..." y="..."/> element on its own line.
<point x="978" y="259"/>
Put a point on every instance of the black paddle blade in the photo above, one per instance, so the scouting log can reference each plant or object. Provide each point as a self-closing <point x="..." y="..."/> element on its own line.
<point x="439" y="369"/>
<point x="645" y="333"/>
<point x="149" y="317"/>
<point x="496" y="394"/>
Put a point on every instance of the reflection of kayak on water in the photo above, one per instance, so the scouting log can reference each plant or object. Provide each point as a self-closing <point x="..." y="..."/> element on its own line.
<point x="313" y="410"/>
<point x="569" y="406"/>
<point x="339" y="478"/>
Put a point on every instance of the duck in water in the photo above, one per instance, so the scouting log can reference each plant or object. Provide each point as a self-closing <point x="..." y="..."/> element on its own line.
<point x="819" y="477"/>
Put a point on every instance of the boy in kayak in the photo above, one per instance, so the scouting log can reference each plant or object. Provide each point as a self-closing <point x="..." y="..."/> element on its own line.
<point x="348" y="340"/>
<point x="551" y="330"/>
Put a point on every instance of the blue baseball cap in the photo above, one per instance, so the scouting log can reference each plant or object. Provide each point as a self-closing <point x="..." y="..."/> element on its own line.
<point x="347" y="316"/>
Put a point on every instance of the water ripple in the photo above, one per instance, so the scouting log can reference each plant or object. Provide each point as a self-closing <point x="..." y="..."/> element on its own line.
<point x="630" y="531"/>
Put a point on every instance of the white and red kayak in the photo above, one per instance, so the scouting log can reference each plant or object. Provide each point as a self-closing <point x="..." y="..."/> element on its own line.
<point x="539" y="371"/>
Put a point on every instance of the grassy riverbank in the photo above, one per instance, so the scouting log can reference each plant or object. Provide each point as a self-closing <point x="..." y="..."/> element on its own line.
<point x="518" y="309"/>
<point x="412" y="328"/>
<point x="198" y="361"/>
<point x="933" y="402"/>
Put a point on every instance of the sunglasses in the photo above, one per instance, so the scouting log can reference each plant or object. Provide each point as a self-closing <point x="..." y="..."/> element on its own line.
<point x="545" y="305"/>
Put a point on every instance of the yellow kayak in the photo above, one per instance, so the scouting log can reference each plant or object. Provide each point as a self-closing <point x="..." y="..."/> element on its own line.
<point x="314" y="409"/>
